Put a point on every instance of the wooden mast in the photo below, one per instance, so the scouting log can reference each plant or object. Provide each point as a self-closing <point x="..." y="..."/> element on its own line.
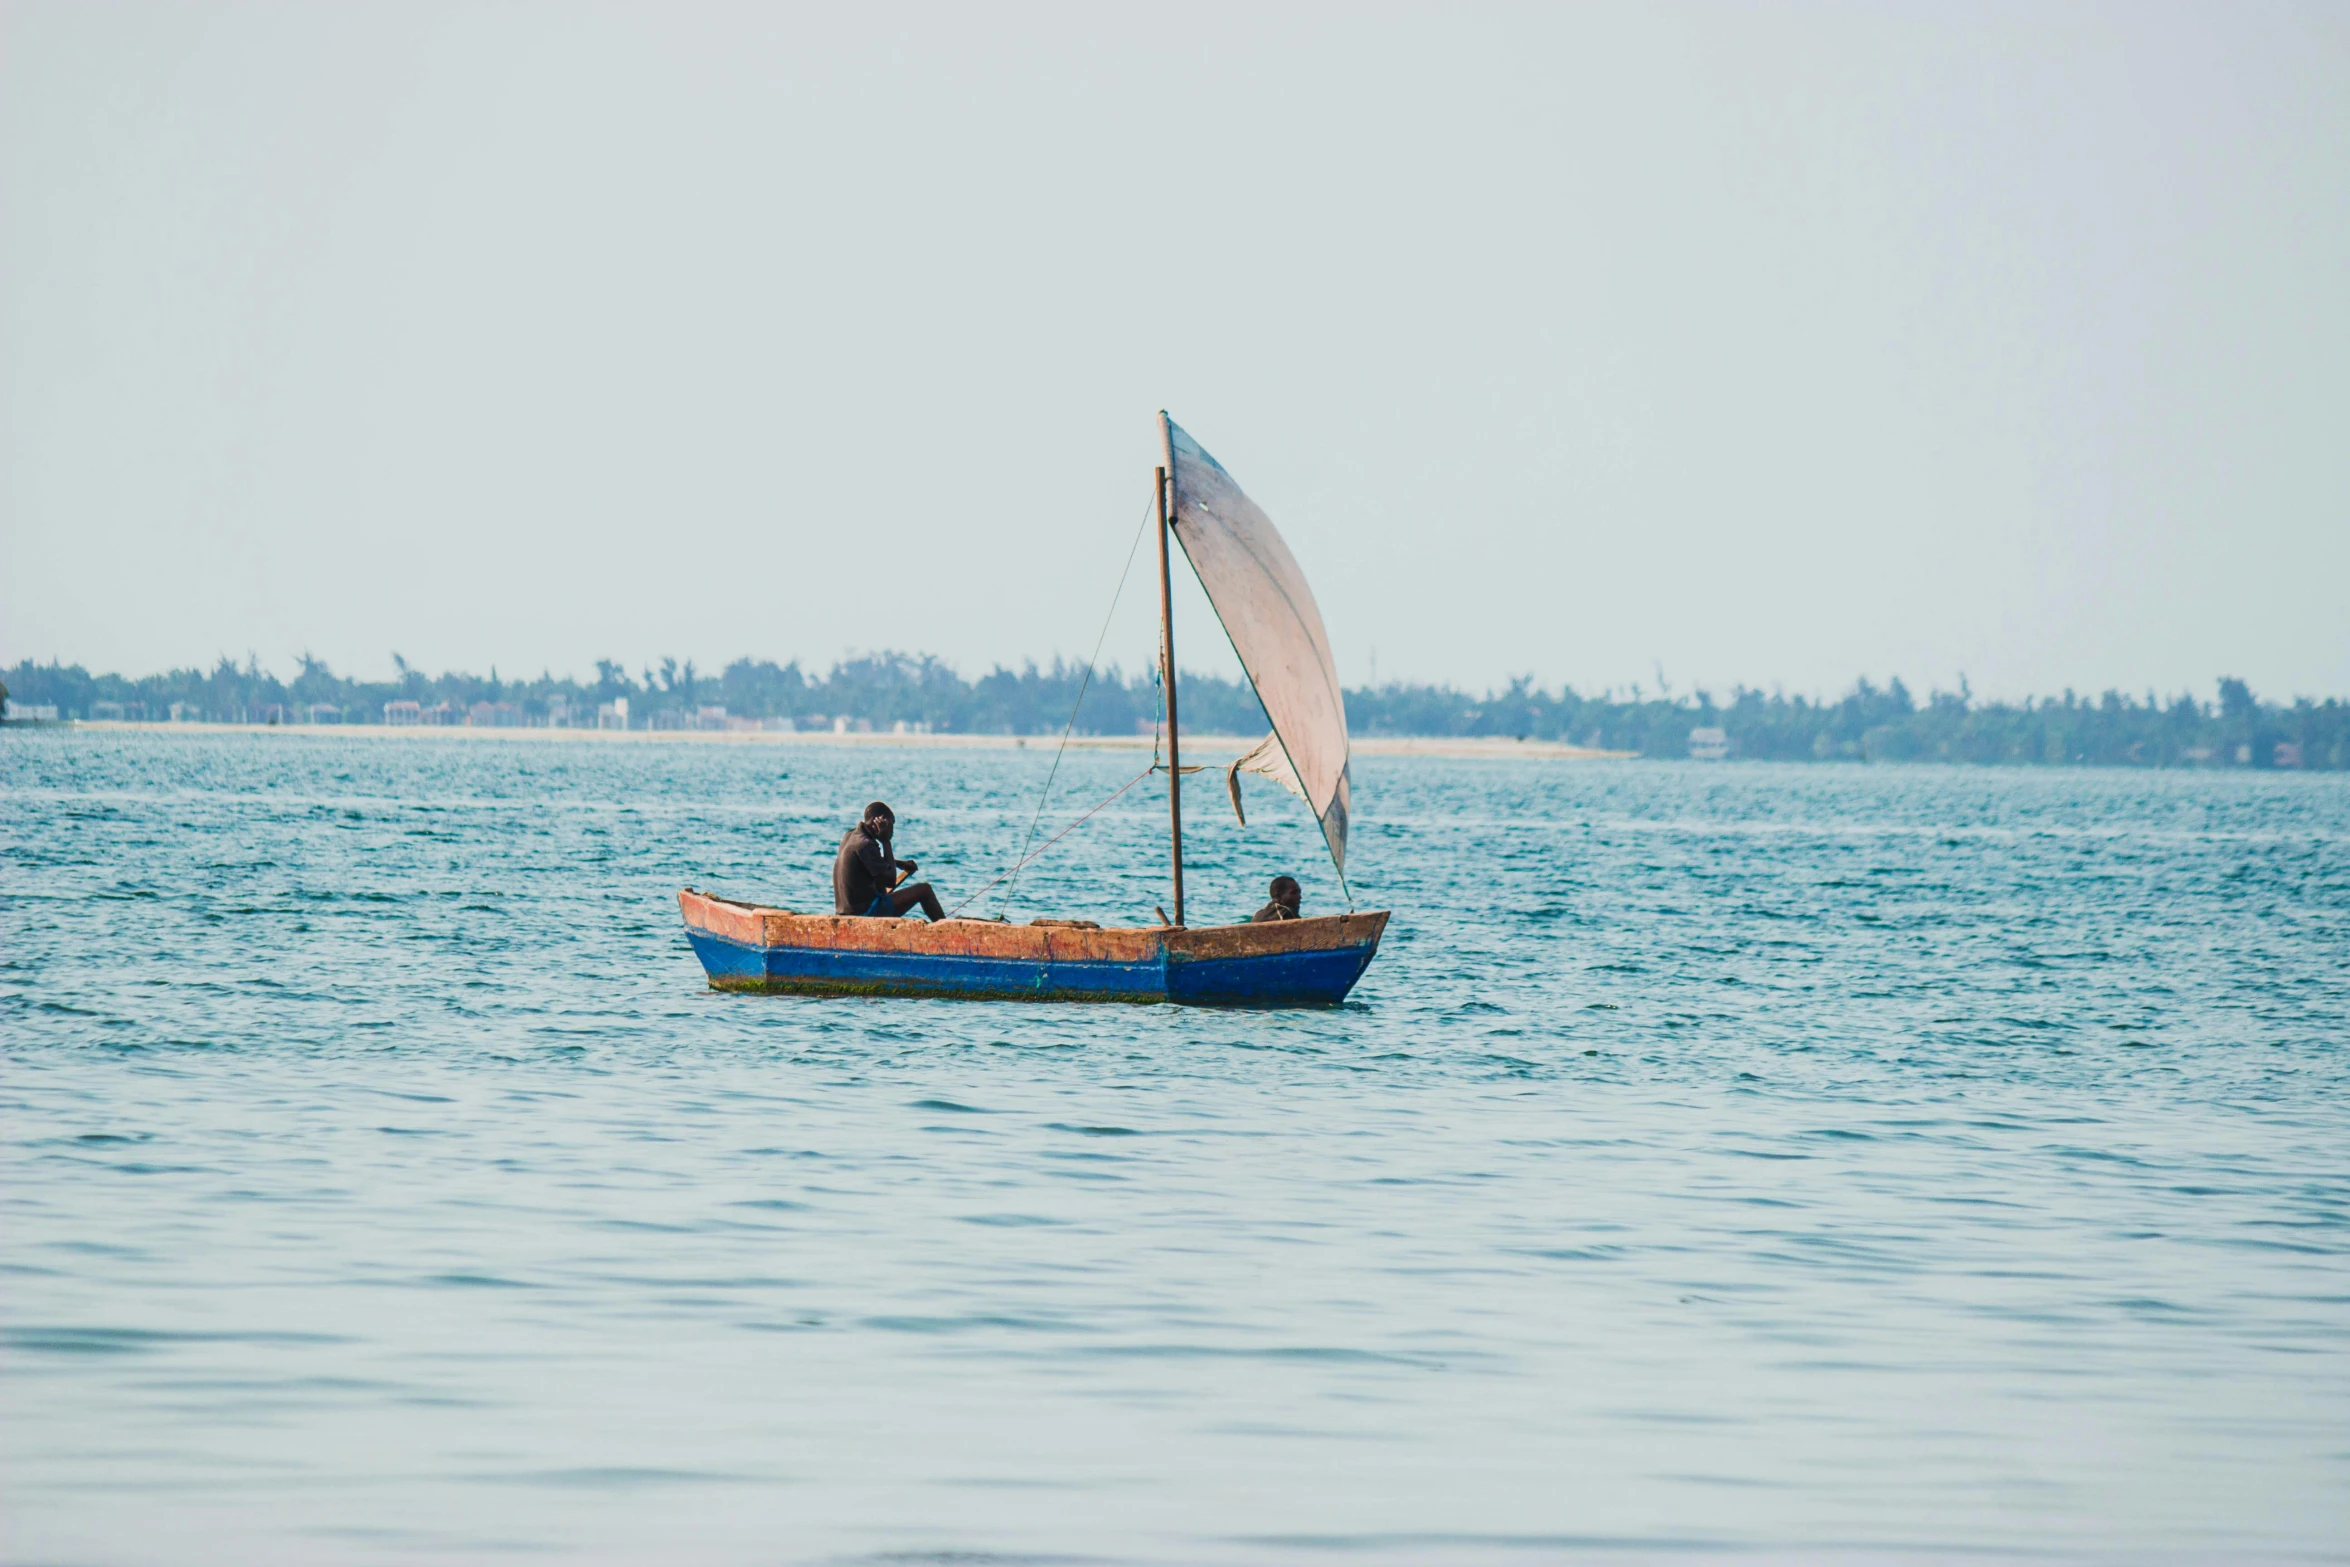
<point x="1167" y="664"/>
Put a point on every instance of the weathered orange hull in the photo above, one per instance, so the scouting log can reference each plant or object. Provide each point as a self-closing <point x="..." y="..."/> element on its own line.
<point x="1310" y="962"/>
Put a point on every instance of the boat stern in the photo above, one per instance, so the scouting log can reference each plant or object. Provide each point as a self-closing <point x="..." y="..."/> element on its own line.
<point x="1281" y="963"/>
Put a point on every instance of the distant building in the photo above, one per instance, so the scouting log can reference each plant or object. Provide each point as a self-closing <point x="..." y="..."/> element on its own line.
<point x="558" y="712"/>
<point x="710" y="718"/>
<point x="439" y="713"/>
<point x="403" y="715"/>
<point x="840" y="725"/>
<point x="38" y="713"/>
<point x="2287" y="754"/>
<point x="1708" y="744"/>
<point x="324" y="713"/>
<point x="613" y="714"/>
<point x="494" y="715"/>
<point x="106" y="712"/>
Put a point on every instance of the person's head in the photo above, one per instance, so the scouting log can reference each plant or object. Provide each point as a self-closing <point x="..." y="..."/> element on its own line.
<point x="880" y="820"/>
<point x="1287" y="892"/>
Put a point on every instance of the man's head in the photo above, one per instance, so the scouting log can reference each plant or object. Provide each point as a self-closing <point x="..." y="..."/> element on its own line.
<point x="880" y="820"/>
<point x="1287" y="892"/>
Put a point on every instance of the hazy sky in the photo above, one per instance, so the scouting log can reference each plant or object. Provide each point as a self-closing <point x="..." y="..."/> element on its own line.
<point x="1772" y="344"/>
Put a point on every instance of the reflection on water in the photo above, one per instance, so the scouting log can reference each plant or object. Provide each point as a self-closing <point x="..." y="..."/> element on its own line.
<point x="1771" y="1159"/>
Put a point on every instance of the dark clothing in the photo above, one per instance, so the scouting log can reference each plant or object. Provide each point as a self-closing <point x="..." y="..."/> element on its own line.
<point x="1274" y="911"/>
<point x="892" y="904"/>
<point x="862" y="872"/>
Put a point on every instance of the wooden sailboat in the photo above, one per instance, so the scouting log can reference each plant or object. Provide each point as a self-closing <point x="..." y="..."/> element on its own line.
<point x="1261" y="597"/>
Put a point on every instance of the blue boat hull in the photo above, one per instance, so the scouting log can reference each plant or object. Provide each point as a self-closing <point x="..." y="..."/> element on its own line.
<point x="1294" y="963"/>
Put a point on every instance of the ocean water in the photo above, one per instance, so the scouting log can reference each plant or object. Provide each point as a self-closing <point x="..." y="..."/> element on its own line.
<point x="1780" y="1162"/>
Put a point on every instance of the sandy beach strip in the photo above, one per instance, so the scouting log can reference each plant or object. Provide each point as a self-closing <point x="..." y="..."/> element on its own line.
<point x="1204" y="747"/>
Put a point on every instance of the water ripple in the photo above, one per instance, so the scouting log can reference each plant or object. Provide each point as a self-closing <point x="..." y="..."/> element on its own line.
<point x="1792" y="1163"/>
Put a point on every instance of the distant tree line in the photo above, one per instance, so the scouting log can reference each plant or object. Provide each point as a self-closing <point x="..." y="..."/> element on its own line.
<point x="881" y="691"/>
<point x="1872" y="723"/>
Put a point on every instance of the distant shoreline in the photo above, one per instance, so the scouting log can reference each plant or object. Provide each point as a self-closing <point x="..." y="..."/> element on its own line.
<point x="883" y="691"/>
<point x="1221" y="748"/>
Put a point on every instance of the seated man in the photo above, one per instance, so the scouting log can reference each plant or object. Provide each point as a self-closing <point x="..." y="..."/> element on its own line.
<point x="864" y="877"/>
<point x="1286" y="896"/>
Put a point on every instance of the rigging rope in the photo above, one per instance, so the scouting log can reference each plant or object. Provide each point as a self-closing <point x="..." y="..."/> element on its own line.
<point x="1066" y="729"/>
<point x="1055" y="838"/>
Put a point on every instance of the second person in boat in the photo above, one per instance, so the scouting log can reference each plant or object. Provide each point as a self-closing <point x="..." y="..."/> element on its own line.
<point x="1287" y="895"/>
<point x="866" y="881"/>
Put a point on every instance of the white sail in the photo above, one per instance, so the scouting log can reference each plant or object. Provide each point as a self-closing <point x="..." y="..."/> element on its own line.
<point x="1275" y="626"/>
<point x="1267" y="759"/>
